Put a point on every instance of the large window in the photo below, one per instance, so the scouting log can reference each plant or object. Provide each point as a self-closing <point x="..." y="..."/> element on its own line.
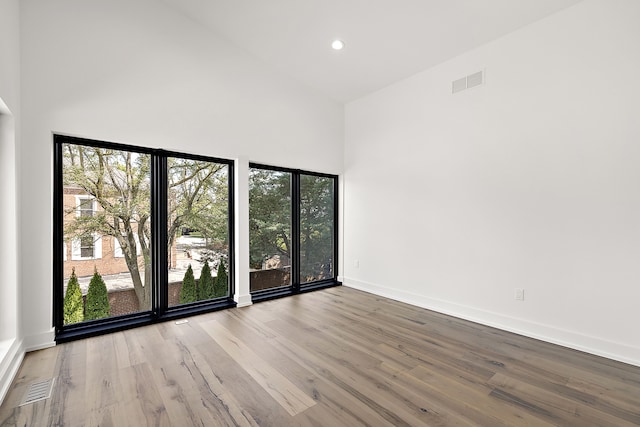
<point x="270" y="238"/>
<point x="292" y="230"/>
<point x="317" y="228"/>
<point x="198" y="232"/>
<point x="115" y="205"/>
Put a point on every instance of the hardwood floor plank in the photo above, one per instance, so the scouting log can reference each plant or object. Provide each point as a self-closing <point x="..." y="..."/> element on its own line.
<point x="140" y="394"/>
<point x="184" y="402"/>
<point x="101" y="358"/>
<point x="620" y="404"/>
<point x="255" y="400"/>
<point x="599" y="393"/>
<point x="121" y="350"/>
<point x="436" y="407"/>
<point x="331" y="398"/>
<point x="107" y="416"/>
<point x="349" y="375"/>
<point x="290" y="397"/>
<point x="193" y="391"/>
<point x="554" y="406"/>
<point x="477" y="397"/>
<point x="336" y="357"/>
<point x="68" y="399"/>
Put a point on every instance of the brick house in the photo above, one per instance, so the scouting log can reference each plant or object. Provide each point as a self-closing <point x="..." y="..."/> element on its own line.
<point x="101" y="252"/>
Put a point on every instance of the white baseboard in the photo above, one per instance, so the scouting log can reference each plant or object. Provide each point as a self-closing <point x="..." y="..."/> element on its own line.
<point x="243" y="300"/>
<point x="11" y="356"/>
<point x="548" y="333"/>
<point x="40" y="341"/>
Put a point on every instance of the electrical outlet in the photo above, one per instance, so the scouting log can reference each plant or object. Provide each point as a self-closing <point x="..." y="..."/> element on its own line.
<point x="519" y="294"/>
<point x="356" y="263"/>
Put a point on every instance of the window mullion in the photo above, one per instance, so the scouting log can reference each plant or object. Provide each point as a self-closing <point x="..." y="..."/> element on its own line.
<point x="159" y="218"/>
<point x="295" y="230"/>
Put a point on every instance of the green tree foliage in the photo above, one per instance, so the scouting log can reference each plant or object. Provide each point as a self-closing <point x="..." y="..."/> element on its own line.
<point x="198" y="198"/>
<point x="119" y="182"/>
<point x="269" y="215"/>
<point x="73" y="304"/>
<point x="221" y="287"/>
<point x="270" y="221"/>
<point x="316" y="227"/>
<point x="189" y="292"/>
<point x="97" y="305"/>
<point x="206" y="283"/>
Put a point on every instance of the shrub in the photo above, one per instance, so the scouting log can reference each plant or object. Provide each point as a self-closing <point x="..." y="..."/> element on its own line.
<point x="73" y="304"/>
<point x="97" y="305"/>
<point x="189" y="292"/>
<point x="206" y="284"/>
<point x="221" y="284"/>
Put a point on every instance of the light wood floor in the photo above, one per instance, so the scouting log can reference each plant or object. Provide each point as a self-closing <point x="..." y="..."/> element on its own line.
<point x="336" y="357"/>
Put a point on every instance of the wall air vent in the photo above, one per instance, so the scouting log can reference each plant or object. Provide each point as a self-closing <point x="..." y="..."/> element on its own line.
<point x="472" y="80"/>
<point x="459" y="85"/>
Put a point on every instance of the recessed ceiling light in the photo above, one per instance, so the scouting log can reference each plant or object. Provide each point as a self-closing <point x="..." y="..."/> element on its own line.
<point x="337" y="44"/>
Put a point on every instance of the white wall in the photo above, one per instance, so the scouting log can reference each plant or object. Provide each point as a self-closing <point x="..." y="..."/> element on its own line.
<point x="530" y="181"/>
<point x="138" y="73"/>
<point x="11" y="351"/>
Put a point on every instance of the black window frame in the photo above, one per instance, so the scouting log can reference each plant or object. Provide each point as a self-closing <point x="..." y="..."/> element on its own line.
<point x="297" y="287"/>
<point x="160" y="311"/>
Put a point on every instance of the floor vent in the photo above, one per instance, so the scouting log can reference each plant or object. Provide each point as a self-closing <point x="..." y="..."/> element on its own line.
<point x="38" y="391"/>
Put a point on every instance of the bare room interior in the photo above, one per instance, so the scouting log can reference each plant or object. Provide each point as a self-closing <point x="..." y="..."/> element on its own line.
<point x="242" y="212"/>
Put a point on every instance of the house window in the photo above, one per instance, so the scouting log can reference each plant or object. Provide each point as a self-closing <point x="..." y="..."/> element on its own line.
<point x="86" y="247"/>
<point x="85" y="206"/>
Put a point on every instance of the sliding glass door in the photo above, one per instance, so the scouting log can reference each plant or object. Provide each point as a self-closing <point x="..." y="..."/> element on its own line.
<point x="270" y="238"/>
<point x="317" y="228"/>
<point x="198" y="230"/>
<point x="292" y="230"/>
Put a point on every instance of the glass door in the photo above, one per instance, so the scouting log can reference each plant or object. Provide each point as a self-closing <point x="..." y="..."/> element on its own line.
<point x="198" y="230"/>
<point x="270" y="237"/>
<point x="317" y="228"/>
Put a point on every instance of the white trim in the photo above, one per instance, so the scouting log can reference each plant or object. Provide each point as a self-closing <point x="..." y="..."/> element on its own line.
<point x="242" y="294"/>
<point x="117" y="249"/>
<point x="243" y="300"/>
<point x="40" y="341"/>
<point x="11" y="355"/>
<point x="97" y="246"/>
<point x="589" y="344"/>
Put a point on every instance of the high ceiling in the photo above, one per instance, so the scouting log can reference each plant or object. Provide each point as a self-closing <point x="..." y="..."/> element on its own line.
<point x="386" y="40"/>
